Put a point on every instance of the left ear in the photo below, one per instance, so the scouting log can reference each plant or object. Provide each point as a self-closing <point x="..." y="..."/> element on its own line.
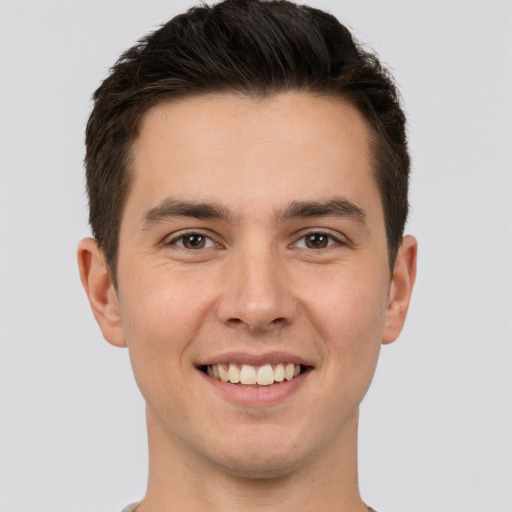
<point x="402" y="282"/>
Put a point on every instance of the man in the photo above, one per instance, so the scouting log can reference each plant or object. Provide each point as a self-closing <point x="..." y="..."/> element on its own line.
<point x="247" y="171"/>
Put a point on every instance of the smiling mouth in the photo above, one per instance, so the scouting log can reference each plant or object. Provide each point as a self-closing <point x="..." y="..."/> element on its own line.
<point x="248" y="375"/>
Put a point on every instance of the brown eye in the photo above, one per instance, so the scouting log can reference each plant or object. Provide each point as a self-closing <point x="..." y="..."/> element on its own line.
<point x="194" y="241"/>
<point x="316" y="241"/>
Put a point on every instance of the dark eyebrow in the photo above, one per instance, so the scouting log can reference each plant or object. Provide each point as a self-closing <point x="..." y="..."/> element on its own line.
<point x="170" y="208"/>
<point x="333" y="207"/>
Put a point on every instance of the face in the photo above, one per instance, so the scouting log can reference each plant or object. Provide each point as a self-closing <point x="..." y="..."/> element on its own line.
<point x="252" y="248"/>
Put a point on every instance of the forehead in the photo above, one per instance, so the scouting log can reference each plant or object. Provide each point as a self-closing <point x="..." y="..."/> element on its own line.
<point x="279" y="149"/>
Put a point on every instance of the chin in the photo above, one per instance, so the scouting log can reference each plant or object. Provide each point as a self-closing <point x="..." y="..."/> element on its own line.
<point x="262" y="456"/>
<point x="260" y="468"/>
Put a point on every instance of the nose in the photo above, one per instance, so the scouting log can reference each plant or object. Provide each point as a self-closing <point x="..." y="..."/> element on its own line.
<point x="256" y="293"/>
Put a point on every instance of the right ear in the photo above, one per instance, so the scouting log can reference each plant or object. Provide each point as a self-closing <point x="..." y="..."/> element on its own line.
<point x="96" y="280"/>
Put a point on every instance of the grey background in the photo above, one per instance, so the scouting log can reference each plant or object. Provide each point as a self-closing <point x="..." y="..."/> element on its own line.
<point x="436" y="425"/>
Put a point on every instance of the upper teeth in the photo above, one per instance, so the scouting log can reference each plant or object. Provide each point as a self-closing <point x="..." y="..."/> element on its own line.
<point x="248" y="374"/>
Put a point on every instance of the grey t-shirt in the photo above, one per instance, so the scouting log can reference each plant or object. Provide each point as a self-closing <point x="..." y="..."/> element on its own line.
<point x="133" y="506"/>
<point x="130" y="508"/>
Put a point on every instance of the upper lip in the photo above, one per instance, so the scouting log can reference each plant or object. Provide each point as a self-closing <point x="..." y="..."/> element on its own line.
<point x="255" y="359"/>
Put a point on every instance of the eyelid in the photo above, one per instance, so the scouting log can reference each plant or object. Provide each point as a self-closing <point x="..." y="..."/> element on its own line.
<point x="336" y="237"/>
<point x="173" y="238"/>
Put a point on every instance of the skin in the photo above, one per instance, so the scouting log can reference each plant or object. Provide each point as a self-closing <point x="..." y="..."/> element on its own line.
<point x="259" y="286"/>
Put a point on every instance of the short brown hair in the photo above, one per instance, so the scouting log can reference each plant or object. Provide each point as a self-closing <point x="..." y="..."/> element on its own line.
<point x="254" y="47"/>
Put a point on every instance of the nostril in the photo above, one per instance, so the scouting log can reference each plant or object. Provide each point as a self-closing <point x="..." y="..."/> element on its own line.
<point x="257" y="325"/>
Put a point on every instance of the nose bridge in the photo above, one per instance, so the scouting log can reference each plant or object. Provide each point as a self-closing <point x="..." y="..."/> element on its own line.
<point x="256" y="293"/>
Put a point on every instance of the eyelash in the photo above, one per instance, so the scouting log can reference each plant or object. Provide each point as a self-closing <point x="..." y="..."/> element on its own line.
<point x="331" y="240"/>
<point x="209" y="243"/>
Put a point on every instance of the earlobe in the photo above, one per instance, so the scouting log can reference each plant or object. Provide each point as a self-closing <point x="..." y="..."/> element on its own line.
<point x="402" y="282"/>
<point x="97" y="283"/>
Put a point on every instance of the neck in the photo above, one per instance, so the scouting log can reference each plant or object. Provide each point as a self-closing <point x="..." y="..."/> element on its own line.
<point x="181" y="480"/>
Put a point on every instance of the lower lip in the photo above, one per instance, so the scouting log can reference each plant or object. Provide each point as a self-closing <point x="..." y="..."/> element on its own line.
<point x="257" y="396"/>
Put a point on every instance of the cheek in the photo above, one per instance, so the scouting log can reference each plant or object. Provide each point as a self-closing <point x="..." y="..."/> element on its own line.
<point x="161" y="304"/>
<point x="160" y="319"/>
<point x="349" y="314"/>
<point x="350" y="307"/>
